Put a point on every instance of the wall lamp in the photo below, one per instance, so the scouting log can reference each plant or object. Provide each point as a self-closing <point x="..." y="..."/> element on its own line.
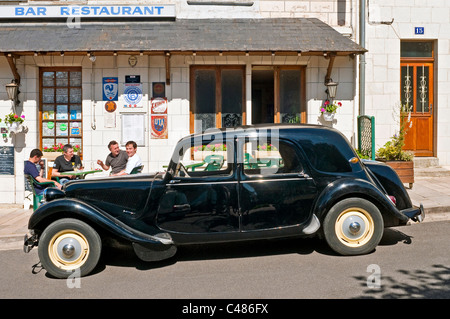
<point x="331" y="88"/>
<point x="12" y="89"/>
<point x="92" y="57"/>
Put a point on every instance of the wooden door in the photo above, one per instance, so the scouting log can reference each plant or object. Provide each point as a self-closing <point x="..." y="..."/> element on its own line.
<point x="417" y="98"/>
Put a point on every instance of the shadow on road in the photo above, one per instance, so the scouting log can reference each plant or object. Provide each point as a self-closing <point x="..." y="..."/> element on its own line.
<point x="416" y="284"/>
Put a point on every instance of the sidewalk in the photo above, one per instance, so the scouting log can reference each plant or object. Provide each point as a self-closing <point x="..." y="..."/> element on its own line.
<point x="432" y="192"/>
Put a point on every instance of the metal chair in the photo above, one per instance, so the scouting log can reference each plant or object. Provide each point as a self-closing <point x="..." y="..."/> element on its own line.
<point x="137" y="170"/>
<point x="37" y="198"/>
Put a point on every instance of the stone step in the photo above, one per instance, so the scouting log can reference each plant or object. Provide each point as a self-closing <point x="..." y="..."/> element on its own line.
<point x="425" y="162"/>
<point x="437" y="171"/>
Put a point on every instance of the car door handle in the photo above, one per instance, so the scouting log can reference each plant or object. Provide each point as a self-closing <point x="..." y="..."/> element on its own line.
<point x="174" y="181"/>
<point x="181" y="208"/>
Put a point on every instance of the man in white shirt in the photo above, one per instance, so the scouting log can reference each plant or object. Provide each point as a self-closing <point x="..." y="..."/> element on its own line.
<point x="133" y="159"/>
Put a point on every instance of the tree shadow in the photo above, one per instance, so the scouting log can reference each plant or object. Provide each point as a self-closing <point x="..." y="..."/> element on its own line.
<point x="430" y="284"/>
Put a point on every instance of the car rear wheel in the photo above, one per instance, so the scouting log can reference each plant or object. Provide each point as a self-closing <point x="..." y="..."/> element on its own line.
<point x="69" y="245"/>
<point x="353" y="226"/>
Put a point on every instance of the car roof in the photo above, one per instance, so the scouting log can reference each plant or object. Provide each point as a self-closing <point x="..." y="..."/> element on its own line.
<point x="265" y="129"/>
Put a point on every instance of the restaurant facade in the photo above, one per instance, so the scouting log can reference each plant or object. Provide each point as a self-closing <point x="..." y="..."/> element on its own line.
<point x="93" y="72"/>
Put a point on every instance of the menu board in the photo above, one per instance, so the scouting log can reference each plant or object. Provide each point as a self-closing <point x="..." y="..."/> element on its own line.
<point x="6" y="160"/>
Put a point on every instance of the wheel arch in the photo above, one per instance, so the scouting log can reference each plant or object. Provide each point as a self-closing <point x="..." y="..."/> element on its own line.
<point x="350" y="188"/>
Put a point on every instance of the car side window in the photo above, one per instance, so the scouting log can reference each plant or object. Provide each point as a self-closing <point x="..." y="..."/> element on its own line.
<point x="205" y="160"/>
<point x="266" y="158"/>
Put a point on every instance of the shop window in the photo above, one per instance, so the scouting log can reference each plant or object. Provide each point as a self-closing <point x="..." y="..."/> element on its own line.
<point x="60" y="111"/>
<point x="217" y="97"/>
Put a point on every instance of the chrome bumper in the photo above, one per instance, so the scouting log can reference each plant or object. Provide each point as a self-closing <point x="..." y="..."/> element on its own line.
<point x="29" y="242"/>
<point x="415" y="214"/>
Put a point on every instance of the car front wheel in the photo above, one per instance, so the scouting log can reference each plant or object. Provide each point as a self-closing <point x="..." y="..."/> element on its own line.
<point x="68" y="246"/>
<point x="353" y="226"/>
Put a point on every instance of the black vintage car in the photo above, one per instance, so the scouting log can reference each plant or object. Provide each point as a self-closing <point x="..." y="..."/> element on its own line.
<point x="246" y="183"/>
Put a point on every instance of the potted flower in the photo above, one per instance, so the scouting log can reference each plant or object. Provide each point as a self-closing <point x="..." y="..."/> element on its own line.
<point x="200" y="152"/>
<point x="328" y="109"/>
<point x="54" y="151"/>
<point x="14" y="122"/>
<point x="393" y="154"/>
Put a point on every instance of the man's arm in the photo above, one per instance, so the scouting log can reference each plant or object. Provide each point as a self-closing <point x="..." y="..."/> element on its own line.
<point x="41" y="179"/>
<point x="102" y="165"/>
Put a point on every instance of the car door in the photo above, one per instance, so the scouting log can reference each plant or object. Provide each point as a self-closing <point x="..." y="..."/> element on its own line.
<point x="201" y="197"/>
<point x="275" y="188"/>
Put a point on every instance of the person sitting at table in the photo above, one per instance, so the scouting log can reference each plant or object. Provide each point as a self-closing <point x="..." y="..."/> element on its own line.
<point x="133" y="159"/>
<point x="117" y="159"/>
<point x="30" y="168"/>
<point x="66" y="162"/>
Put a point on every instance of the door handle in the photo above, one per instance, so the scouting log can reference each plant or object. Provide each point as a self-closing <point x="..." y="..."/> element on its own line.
<point x="431" y="108"/>
<point x="174" y="181"/>
<point x="181" y="208"/>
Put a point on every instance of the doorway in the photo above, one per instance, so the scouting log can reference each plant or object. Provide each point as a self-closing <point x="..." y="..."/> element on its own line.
<point x="263" y="95"/>
<point x="417" y="87"/>
<point x="278" y="94"/>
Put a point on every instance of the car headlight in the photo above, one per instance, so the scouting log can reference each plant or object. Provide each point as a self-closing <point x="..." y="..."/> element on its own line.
<point x="52" y="193"/>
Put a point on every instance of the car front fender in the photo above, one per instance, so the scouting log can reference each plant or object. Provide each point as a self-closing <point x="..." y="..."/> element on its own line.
<point x="61" y="208"/>
<point x="345" y="188"/>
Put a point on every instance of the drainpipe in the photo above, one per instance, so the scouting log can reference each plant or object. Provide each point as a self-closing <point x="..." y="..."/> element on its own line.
<point x="362" y="57"/>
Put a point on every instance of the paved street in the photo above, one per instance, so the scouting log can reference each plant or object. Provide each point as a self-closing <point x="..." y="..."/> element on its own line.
<point x="410" y="262"/>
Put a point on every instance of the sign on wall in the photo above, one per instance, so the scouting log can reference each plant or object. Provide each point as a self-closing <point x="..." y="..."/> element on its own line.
<point x="110" y="89"/>
<point x="133" y="95"/>
<point x="6" y="160"/>
<point x="30" y="12"/>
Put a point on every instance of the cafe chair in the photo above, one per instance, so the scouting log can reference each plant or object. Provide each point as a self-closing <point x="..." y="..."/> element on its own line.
<point x="37" y="198"/>
<point x="137" y="170"/>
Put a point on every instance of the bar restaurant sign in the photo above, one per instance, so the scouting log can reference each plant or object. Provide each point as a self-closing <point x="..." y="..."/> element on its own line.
<point x="25" y="12"/>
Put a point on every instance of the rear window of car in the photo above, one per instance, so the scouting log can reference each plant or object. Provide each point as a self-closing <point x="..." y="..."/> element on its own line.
<point x="327" y="151"/>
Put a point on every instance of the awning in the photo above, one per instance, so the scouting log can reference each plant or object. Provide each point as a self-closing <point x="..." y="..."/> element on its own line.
<point x="308" y="36"/>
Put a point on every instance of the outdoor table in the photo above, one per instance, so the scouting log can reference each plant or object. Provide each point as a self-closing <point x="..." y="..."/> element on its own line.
<point x="82" y="173"/>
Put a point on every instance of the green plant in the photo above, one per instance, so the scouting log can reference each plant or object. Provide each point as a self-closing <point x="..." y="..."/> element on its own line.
<point x="393" y="149"/>
<point x="267" y="147"/>
<point x="211" y="148"/>
<point x="330" y="107"/>
<point x="14" y="118"/>
<point x="59" y="148"/>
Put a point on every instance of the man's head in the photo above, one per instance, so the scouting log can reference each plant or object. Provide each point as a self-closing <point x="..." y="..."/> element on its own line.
<point x="114" y="148"/>
<point x="68" y="150"/>
<point x="35" y="155"/>
<point x="131" y="148"/>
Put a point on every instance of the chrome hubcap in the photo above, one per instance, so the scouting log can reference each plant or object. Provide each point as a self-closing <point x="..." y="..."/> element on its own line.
<point x="68" y="250"/>
<point x="354" y="228"/>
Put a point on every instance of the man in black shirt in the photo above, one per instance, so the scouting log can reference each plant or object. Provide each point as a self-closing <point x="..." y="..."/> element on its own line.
<point x="66" y="163"/>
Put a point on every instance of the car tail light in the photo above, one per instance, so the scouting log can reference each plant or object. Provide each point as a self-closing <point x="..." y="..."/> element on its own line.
<point x="393" y="199"/>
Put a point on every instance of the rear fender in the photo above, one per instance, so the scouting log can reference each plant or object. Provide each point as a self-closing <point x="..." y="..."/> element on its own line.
<point x="74" y="208"/>
<point x="344" y="188"/>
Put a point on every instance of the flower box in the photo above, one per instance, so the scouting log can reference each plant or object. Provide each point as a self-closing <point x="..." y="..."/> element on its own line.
<point x="201" y="155"/>
<point x="404" y="170"/>
<point x="51" y="156"/>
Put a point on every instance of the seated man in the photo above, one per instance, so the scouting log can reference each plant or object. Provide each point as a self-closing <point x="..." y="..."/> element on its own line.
<point x="66" y="162"/>
<point x="117" y="159"/>
<point x="31" y="169"/>
<point x="133" y="159"/>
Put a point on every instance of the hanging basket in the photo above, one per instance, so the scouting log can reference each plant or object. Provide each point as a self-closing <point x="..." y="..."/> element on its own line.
<point x="328" y="116"/>
<point x="15" y="127"/>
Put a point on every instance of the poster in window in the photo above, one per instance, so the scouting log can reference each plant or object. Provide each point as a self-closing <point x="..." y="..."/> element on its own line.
<point x="133" y="128"/>
<point x="159" y="126"/>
